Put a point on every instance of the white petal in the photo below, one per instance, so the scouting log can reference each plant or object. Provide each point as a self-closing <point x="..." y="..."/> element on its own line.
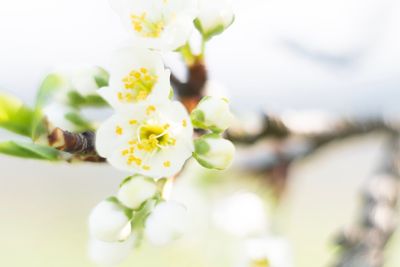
<point x="107" y="138"/>
<point x="110" y="254"/>
<point x="166" y="223"/>
<point x="213" y="13"/>
<point x="175" y="155"/>
<point x="108" y="222"/>
<point x="136" y="191"/>
<point x="162" y="88"/>
<point x="131" y="58"/>
<point x="175" y="113"/>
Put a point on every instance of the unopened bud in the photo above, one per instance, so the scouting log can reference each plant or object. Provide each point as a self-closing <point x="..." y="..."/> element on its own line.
<point x="214" y="152"/>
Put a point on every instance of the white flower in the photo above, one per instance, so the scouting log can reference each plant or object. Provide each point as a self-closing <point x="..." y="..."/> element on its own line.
<point x="154" y="141"/>
<point x="167" y="222"/>
<point x="136" y="75"/>
<point x="267" y="252"/>
<point x="158" y="24"/>
<point x="214" y="16"/>
<point x="110" y="254"/>
<point x="136" y="190"/>
<point x="109" y="223"/>
<point x="212" y="113"/>
<point x="214" y="152"/>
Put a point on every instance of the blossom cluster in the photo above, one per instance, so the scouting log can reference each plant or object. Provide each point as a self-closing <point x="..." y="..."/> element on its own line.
<point x="150" y="135"/>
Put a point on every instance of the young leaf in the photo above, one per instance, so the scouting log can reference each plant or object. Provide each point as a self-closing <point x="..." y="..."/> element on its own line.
<point x="29" y="150"/>
<point x="81" y="123"/>
<point x="15" y="116"/>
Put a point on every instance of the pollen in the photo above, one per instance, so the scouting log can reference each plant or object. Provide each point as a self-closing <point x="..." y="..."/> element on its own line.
<point x="167" y="164"/>
<point x="133" y="122"/>
<point x="184" y="123"/>
<point x="133" y="159"/>
<point x="150" y="109"/>
<point x="119" y="130"/>
<point x="146" y="168"/>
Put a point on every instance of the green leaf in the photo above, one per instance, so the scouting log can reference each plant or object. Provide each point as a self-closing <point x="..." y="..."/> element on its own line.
<point x="198" y="26"/>
<point x="50" y="86"/>
<point x="95" y="101"/>
<point x="102" y="77"/>
<point x="80" y="122"/>
<point x="15" y="116"/>
<point x="76" y="100"/>
<point x="29" y="150"/>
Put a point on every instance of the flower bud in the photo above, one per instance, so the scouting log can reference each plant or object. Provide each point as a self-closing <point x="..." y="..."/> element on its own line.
<point x="214" y="17"/>
<point x="214" y="152"/>
<point x="110" y="254"/>
<point x="108" y="222"/>
<point x="213" y="114"/>
<point x="167" y="222"/>
<point x="86" y="81"/>
<point x="136" y="190"/>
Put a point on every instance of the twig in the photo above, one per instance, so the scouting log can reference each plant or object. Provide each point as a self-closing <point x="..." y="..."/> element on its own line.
<point x="364" y="244"/>
<point x="80" y="145"/>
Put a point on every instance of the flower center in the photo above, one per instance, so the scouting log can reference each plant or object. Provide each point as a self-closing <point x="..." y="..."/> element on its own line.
<point x="154" y="136"/>
<point x="146" y="27"/>
<point x="138" y="85"/>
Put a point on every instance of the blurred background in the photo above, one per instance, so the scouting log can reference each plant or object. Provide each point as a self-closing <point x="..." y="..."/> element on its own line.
<point x="283" y="57"/>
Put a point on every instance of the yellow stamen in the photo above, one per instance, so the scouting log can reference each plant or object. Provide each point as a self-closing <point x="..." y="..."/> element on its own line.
<point x="146" y="168"/>
<point x="150" y="109"/>
<point x="118" y="130"/>
<point x="167" y="164"/>
<point x="138" y="85"/>
<point x="145" y="27"/>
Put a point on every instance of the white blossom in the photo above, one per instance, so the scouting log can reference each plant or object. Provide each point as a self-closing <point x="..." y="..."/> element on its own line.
<point x="214" y="152"/>
<point x="214" y="16"/>
<point x="108" y="222"/>
<point x="212" y="113"/>
<point x="110" y="254"/>
<point x="158" y="24"/>
<point x="134" y="192"/>
<point x="267" y="252"/>
<point x="152" y="140"/>
<point x="136" y="75"/>
<point x="167" y="222"/>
